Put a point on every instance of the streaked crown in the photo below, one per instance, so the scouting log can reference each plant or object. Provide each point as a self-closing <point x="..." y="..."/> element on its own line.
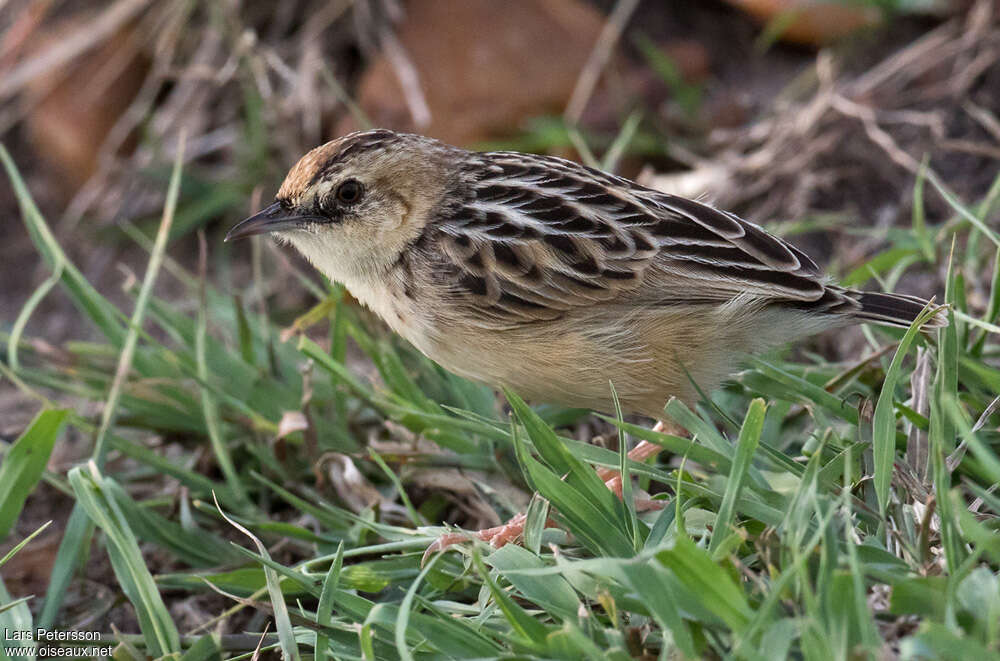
<point x="334" y="160"/>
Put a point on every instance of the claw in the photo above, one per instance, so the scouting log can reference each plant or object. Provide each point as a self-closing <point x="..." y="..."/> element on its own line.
<point x="614" y="484"/>
<point x="507" y="533"/>
<point x="649" y="505"/>
<point x="442" y="543"/>
<point x="496" y="537"/>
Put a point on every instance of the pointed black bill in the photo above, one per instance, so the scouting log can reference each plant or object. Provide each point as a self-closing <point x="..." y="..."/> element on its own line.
<point x="270" y="219"/>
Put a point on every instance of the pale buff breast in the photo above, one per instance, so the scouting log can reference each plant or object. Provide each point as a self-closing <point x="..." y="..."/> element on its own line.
<point x="559" y="362"/>
<point x="650" y="354"/>
<point x="401" y="313"/>
<point x="573" y="361"/>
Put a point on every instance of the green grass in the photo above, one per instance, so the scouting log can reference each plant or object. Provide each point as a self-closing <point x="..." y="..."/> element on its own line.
<point x="795" y="521"/>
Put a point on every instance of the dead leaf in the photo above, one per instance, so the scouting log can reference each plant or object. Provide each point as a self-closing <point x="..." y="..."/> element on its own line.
<point x="72" y="109"/>
<point x="483" y="67"/>
<point x="809" y="22"/>
<point x="350" y="484"/>
<point x="292" y="421"/>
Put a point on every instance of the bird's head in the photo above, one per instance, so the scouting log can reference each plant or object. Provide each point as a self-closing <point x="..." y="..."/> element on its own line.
<point x="352" y="205"/>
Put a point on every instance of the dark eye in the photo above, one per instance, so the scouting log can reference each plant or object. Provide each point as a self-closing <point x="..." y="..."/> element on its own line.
<point x="349" y="192"/>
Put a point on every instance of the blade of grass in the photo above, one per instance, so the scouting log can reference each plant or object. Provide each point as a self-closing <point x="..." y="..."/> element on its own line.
<point x="79" y="527"/>
<point x="884" y="420"/>
<point x="988" y="460"/>
<point x="552" y="592"/>
<point x="993" y="310"/>
<point x="749" y="438"/>
<point x="714" y="587"/>
<point x="24" y="463"/>
<point x="919" y="215"/>
<point x="403" y="617"/>
<point x="596" y="526"/>
<point x="286" y="637"/>
<point x="941" y="434"/>
<point x="621" y="142"/>
<point x="24" y="542"/>
<point x="414" y="515"/>
<point x="14" y="616"/>
<point x="675" y="444"/>
<point x="325" y="607"/>
<point x="92" y="493"/>
<point x="578" y="475"/>
<point x="810" y="392"/>
<point x="83" y="295"/>
<point x="705" y="432"/>
<point x="528" y="628"/>
<point x="206" y="648"/>
<point x="194" y="547"/>
<point x="29" y="307"/>
<point x="651" y="585"/>
<point x="632" y="520"/>
<point x="862" y="616"/>
<point x="976" y="219"/>
<point x="209" y="406"/>
<point x="535" y="518"/>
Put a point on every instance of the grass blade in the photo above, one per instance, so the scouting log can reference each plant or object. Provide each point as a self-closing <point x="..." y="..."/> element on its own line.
<point x="655" y="592"/>
<point x="749" y="438"/>
<point x="884" y="420"/>
<point x="84" y="296"/>
<point x="208" y="404"/>
<point x="78" y="529"/>
<point x="286" y="637"/>
<point x="93" y="496"/>
<point x="29" y="307"/>
<point x="14" y="616"/>
<point x="24" y="542"/>
<point x="24" y="462"/>
<point x="528" y="628"/>
<point x="325" y="607"/>
<point x="405" y="607"/>
<point x="715" y="588"/>
<point x="553" y="593"/>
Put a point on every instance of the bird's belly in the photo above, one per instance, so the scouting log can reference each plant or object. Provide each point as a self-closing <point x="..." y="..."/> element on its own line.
<point x="558" y="364"/>
<point x="574" y="361"/>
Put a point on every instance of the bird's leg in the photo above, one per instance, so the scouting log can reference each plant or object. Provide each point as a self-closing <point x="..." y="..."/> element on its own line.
<point x="641" y="452"/>
<point x="496" y="537"/>
<point x="508" y="532"/>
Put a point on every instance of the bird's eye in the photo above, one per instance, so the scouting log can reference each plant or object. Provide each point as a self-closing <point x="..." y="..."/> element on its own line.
<point x="349" y="192"/>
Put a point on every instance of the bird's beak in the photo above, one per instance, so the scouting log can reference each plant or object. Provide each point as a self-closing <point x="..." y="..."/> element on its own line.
<point x="271" y="219"/>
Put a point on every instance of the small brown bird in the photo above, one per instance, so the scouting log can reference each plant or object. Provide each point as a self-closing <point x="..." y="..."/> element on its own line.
<point x="552" y="278"/>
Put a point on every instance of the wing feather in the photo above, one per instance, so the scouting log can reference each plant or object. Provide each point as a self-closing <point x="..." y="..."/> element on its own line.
<point x="537" y="236"/>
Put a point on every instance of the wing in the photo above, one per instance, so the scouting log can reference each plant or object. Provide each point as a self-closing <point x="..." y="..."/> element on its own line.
<point x="537" y="236"/>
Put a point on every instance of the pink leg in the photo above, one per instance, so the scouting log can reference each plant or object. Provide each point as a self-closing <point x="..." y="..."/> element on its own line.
<point x="641" y="452"/>
<point x="510" y="531"/>
<point x="498" y="536"/>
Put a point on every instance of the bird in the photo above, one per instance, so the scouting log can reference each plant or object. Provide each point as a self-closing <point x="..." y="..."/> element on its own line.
<point x="553" y="279"/>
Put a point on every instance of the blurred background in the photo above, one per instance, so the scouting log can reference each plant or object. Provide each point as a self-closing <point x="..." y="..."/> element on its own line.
<point x="817" y="119"/>
<point x="817" y="115"/>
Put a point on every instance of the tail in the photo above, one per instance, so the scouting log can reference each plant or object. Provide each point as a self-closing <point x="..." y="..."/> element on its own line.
<point x="895" y="309"/>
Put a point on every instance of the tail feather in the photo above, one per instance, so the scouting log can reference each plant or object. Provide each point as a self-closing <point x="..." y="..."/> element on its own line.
<point x="896" y="309"/>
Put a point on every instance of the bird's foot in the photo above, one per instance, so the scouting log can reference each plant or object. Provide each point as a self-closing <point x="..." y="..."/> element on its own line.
<point x="496" y="537"/>
<point x="641" y="452"/>
<point x="509" y="532"/>
<point x="642" y="503"/>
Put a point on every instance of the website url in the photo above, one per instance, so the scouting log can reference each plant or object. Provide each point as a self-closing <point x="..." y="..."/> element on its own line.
<point x="45" y="651"/>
